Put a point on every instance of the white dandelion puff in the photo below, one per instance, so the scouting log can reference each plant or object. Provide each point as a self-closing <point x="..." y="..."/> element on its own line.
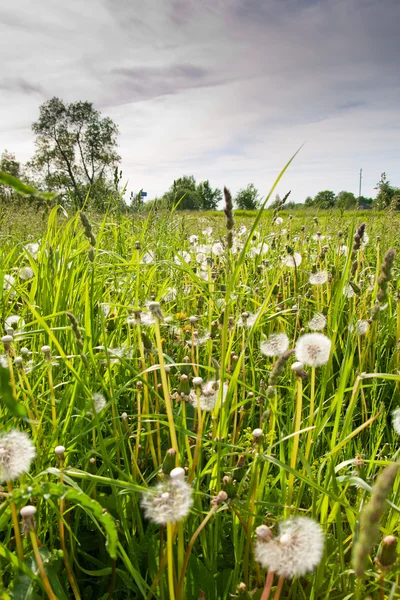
<point x="362" y="327"/>
<point x="278" y="221"/>
<point x="396" y="420"/>
<point x="148" y="258"/>
<point x="275" y="344"/>
<point x="218" y="249"/>
<point x="32" y="249"/>
<point x="313" y="349"/>
<point x="182" y="257"/>
<point x="292" y="260"/>
<point x="242" y="230"/>
<point x="348" y="291"/>
<point x="99" y="403"/>
<point x="14" y="322"/>
<point x="343" y="250"/>
<point x="170" y="294"/>
<point x="194" y="240"/>
<point x="16" y="454"/>
<point x="318" y="322"/>
<point x="297" y="550"/>
<point x="8" y="282"/>
<point x="169" y="501"/>
<point x="248" y="319"/>
<point x="258" y="250"/>
<point x="207" y="231"/>
<point x="198" y="340"/>
<point x="25" y="273"/>
<point x="318" y="278"/>
<point x="209" y="395"/>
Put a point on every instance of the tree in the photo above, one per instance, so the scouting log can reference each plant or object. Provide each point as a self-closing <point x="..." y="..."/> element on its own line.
<point x="309" y="201"/>
<point x="10" y="165"/>
<point x="247" y="198"/>
<point x="345" y="201"/>
<point x="183" y="193"/>
<point x="325" y="199"/>
<point x="387" y="195"/>
<point x="209" y="198"/>
<point x="75" y="149"/>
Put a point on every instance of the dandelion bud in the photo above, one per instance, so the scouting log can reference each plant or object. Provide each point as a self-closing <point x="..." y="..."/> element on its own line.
<point x="10" y="331"/>
<point x="220" y="498"/>
<point x="184" y="387"/>
<point x="7" y="341"/>
<point x="59" y="450"/>
<point x="197" y="381"/>
<point x="297" y="366"/>
<point x="155" y="309"/>
<point x="257" y="433"/>
<point x="92" y="460"/>
<point x="177" y="474"/>
<point x="139" y="386"/>
<point x="138" y="245"/>
<point x="28" y="518"/>
<point x="169" y="461"/>
<point x="387" y="554"/>
<point x="46" y="350"/>
<point x="18" y="361"/>
<point x="192" y="320"/>
<point x="263" y="533"/>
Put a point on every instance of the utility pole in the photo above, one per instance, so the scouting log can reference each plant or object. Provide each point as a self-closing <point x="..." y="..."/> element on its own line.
<point x="359" y="187"/>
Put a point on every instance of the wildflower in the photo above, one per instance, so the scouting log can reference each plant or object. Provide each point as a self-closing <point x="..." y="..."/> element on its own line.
<point x="275" y="344"/>
<point x="292" y="260"/>
<point x="183" y="257"/>
<point x="148" y="258"/>
<point x="362" y="327"/>
<point x="25" y="273"/>
<point x="396" y="420"/>
<point x="348" y="291"/>
<point x="16" y="454"/>
<point x="218" y="249"/>
<point x="318" y="278"/>
<point x="169" y="501"/>
<point x="313" y="349"/>
<point x="209" y="395"/>
<point x="297" y="549"/>
<point x="14" y="322"/>
<point x="318" y="322"/>
<point x="99" y="402"/>
<point x="32" y="249"/>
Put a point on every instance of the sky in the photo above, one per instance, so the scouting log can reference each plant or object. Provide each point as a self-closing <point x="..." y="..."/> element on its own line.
<point x="226" y="90"/>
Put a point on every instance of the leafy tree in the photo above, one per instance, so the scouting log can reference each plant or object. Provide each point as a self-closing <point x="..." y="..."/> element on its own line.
<point x="324" y="199"/>
<point x="387" y="195"/>
<point x="75" y="149"/>
<point x="345" y="201"/>
<point x="209" y="197"/>
<point x="247" y="198"/>
<point x="309" y="201"/>
<point x="10" y="165"/>
<point x="183" y="192"/>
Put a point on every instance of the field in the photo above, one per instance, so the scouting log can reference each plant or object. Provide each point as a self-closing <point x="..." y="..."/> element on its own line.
<point x="141" y="345"/>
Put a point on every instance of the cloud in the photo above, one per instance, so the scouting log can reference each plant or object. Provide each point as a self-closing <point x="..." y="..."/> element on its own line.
<point x="223" y="89"/>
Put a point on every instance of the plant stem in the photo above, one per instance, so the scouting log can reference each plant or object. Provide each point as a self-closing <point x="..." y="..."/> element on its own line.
<point x="43" y="574"/>
<point x="268" y="585"/>
<point x="296" y="439"/>
<point x="14" y="518"/>
<point x="170" y="555"/>
<point x="279" y="587"/>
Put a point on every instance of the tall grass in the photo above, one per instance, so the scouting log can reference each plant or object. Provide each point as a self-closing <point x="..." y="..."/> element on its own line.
<point x="93" y="538"/>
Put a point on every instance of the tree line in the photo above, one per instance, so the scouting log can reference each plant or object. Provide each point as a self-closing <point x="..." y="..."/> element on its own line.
<point x="76" y="157"/>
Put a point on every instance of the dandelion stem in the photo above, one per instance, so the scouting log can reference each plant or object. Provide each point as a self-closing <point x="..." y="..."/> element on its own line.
<point x="14" y="518"/>
<point x="279" y="587"/>
<point x="311" y="418"/>
<point x="296" y="439"/>
<point x="170" y="558"/>
<point x="167" y="397"/>
<point x="38" y="558"/>
<point x="268" y="585"/>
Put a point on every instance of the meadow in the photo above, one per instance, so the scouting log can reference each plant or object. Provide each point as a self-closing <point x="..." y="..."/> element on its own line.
<point x="199" y="409"/>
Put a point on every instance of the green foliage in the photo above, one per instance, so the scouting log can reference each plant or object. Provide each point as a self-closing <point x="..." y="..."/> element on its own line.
<point x="185" y="194"/>
<point x="387" y="194"/>
<point x="75" y="150"/>
<point x="247" y="198"/>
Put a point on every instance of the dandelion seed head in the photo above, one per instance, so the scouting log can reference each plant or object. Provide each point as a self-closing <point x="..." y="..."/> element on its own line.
<point x="16" y="454"/>
<point x="218" y="249"/>
<point x="275" y="344"/>
<point x="14" y="322"/>
<point x="194" y="240"/>
<point x="313" y="349"/>
<point x="343" y="250"/>
<point x="318" y="322"/>
<point x="278" y="221"/>
<point x="292" y="260"/>
<point x="396" y="420"/>
<point x="209" y="396"/>
<point x="167" y="502"/>
<point x="297" y="550"/>
<point x="32" y="249"/>
<point x="183" y="257"/>
<point x="148" y="258"/>
<point x="99" y="402"/>
<point x="362" y="327"/>
<point x="25" y="273"/>
<point x="348" y="291"/>
<point x="318" y="278"/>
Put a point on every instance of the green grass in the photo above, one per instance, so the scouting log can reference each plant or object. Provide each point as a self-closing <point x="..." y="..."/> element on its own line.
<point x="112" y="550"/>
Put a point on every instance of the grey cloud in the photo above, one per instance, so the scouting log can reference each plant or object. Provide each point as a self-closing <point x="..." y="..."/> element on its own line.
<point x="22" y="85"/>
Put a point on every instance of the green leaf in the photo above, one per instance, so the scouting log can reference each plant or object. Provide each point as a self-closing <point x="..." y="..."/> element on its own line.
<point x="23" y="188"/>
<point x="6" y="393"/>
